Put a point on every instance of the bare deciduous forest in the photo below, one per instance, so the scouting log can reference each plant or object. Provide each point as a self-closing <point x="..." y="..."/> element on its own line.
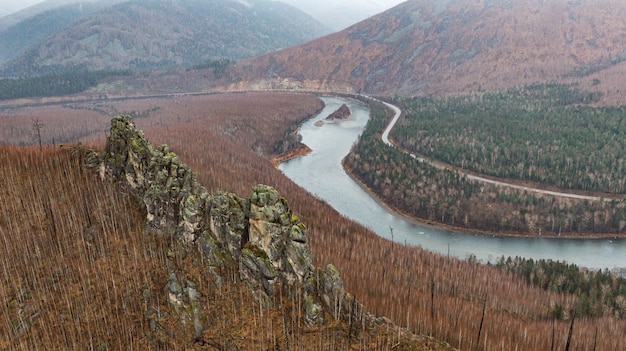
<point x="229" y="141"/>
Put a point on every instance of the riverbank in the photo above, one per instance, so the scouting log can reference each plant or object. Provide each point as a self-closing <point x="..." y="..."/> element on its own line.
<point x="322" y="174"/>
<point x="299" y="151"/>
<point x="435" y="224"/>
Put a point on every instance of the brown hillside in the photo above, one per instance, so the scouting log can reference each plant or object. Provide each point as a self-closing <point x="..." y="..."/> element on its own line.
<point x="423" y="47"/>
<point x="81" y="273"/>
<point x="429" y="293"/>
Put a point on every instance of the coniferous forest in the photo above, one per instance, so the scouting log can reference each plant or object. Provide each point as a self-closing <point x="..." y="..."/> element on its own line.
<point x="54" y="84"/>
<point x="444" y="196"/>
<point x="550" y="134"/>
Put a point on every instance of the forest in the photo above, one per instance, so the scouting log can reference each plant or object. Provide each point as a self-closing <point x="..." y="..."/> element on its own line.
<point x="549" y="134"/>
<point x="443" y="196"/>
<point x="599" y="291"/>
<point x="53" y="85"/>
<point x="462" y="302"/>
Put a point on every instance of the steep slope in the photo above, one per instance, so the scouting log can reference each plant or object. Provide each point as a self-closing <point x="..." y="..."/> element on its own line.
<point x="452" y="46"/>
<point x="151" y="261"/>
<point x="31" y="31"/>
<point x="28" y="10"/>
<point x="226" y="147"/>
<point x="164" y="34"/>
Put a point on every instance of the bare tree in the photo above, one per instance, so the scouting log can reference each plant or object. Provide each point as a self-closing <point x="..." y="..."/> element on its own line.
<point x="37" y="126"/>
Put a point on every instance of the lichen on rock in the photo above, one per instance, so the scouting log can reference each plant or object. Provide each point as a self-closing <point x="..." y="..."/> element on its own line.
<point x="260" y="236"/>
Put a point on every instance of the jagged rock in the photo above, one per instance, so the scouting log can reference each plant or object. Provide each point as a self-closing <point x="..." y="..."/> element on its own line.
<point x="196" y="310"/>
<point x="128" y="152"/>
<point x="186" y="303"/>
<point x="174" y="293"/>
<point x="277" y="243"/>
<point x="331" y="289"/>
<point x="312" y="312"/>
<point x="260" y="237"/>
<point x="229" y="224"/>
<point x="168" y="188"/>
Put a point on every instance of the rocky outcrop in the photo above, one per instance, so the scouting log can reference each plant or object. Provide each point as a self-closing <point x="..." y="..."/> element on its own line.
<point x="341" y="113"/>
<point x="260" y="237"/>
<point x="276" y="245"/>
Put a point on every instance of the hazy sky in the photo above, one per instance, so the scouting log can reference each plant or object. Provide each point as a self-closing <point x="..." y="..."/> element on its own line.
<point x="15" y="5"/>
<point x="9" y="6"/>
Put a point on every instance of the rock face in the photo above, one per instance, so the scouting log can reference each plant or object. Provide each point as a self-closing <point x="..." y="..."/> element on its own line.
<point x="260" y="236"/>
<point x="342" y="113"/>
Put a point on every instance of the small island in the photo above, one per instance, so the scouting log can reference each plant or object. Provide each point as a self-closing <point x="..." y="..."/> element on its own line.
<point x="341" y="114"/>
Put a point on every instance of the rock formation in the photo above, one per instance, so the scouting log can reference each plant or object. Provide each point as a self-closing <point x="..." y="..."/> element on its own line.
<point x="259" y="236"/>
<point x="342" y="113"/>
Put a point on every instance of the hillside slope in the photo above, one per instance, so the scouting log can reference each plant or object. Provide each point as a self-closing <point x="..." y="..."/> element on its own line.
<point x="165" y="34"/>
<point x="227" y="139"/>
<point x="420" y="47"/>
<point x="30" y="31"/>
<point x="149" y="260"/>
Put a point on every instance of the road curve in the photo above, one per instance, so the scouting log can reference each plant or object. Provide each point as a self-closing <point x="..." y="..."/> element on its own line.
<point x="398" y="113"/>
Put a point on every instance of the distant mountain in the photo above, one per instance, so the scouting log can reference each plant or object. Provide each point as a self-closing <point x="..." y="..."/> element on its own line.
<point x="14" y="17"/>
<point x="152" y="34"/>
<point x="453" y="46"/>
<point x="340" y="14"/>
<point x="29" y="28"/>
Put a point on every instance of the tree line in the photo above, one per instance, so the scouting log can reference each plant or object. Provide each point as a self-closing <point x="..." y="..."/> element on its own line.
<point x="542" y="133"/>
<point x="447" y="197"/>
<point x="53" y="85"/>
<point x="600" y="292"/>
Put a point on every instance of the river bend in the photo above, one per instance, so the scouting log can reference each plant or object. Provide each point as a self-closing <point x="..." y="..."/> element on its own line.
<point x="321" y="173"/>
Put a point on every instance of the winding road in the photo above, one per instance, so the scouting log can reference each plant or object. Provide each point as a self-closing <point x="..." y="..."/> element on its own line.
<point x="396" y="117"/>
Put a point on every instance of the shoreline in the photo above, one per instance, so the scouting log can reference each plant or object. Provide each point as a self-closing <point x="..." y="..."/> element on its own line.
<point x="303" y="150"/>
<point x="299" y="151"/>
<point x="418" y="220"/>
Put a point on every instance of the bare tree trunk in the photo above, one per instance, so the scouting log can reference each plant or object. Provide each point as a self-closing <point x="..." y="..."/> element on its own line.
<point x="569" y="335"/>
<point x="482" y="319"/>
<point x="37" y="126"/>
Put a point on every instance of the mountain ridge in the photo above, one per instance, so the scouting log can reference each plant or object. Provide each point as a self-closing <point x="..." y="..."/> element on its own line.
<point x="342" y="14"/>
<point x="458" y="46"/>
<point x="144" y="35"/>
<point x="34" y="29"/>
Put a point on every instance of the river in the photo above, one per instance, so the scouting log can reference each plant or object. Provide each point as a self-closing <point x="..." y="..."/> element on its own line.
<point x="321" y="173"/>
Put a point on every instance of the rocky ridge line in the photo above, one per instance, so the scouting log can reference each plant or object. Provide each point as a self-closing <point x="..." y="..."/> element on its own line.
<point x="259" y="236"/>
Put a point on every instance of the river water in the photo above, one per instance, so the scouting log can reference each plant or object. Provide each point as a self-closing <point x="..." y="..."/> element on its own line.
<point x="321" y="173"/>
